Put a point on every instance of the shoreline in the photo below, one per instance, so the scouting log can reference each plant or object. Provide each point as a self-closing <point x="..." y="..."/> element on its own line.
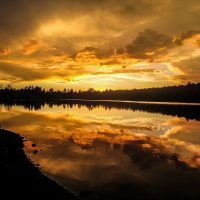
<point x="19" y="176"/>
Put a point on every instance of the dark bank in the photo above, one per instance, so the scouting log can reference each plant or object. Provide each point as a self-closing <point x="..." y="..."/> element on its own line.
<point x="20" y="177"/>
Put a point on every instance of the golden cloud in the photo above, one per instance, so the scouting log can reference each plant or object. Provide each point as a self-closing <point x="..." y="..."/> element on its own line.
<point x="123" y="70"/>
<point x="110" y="62"/>
<point x="23" y="73"/>
<point x="149" y="44"/>
<point x="185" y="36"/>
<point x="100" y="35"/>
<point x="97" y="52"/>
<point x="189" y="68"/>
<point x="31" y="47"/>
<point x="4" y="50"/>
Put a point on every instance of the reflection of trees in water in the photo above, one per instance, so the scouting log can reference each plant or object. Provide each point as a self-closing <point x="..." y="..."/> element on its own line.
<point x="27" y="106"/>
<point x="7" y="107"/>
<point x="188" y="111"/>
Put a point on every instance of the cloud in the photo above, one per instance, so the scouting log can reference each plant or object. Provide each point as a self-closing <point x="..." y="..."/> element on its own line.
<point x="120" y="50"/>
<point x="4" y="50"/>
<point x="184" y="36"/>
<point x="108" y="19"/>
<point x="98" y="34"/>
<point x="97" y="52"/>
<point x="110" y="62"/>
<point x="123" y="70"/>
<point x="189" y="69"/>
<point x="45" y="72"/>
<point x="31" y="47"/>
<point x="148" y="45"/>
<point x="104" y="53"/>
<point x="23" y="73"/>
<point x="188" y="66"/>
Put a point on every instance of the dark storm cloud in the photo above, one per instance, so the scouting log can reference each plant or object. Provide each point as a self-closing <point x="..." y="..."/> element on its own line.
<point x="120" y="50"/>
<point x="149" y="43"/>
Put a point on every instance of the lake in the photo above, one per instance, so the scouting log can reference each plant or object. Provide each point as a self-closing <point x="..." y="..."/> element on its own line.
<point x="118" y="150"/>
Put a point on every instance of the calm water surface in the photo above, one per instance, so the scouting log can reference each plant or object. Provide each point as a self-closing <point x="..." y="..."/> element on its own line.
<point x="116" y="152"/>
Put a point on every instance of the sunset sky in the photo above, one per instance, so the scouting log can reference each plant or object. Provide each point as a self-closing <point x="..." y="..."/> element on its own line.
<point x="104" y="44"/>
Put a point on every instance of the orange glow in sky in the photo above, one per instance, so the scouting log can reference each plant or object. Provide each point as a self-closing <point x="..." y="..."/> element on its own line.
<point x="104" y="45"/>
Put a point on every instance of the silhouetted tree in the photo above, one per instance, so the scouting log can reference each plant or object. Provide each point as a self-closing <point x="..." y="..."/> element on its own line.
<point x="9" y="86"/>
<point x="51" y="90"/>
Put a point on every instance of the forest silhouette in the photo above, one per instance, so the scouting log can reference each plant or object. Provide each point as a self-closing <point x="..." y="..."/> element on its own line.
<point x="180" y="93"/>
<point x="36" y="97"/>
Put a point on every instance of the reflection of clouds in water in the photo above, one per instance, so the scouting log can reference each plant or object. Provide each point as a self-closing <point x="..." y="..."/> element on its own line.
<point x="42" y="124"/>
<point x="185" y="131"/>
<point x="185" y="138"/>
<point x="114" y="152"/>
<point x="183" y="122"/>
<point x="107" y="156"/>
<point x="106" y="166"/>
<point x="95" y="116"/>
<point x="144" y="152"/>
<point x="85" y="132"/>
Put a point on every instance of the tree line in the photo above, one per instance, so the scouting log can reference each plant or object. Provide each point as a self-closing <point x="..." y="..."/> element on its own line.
<point x="177" y="93"/>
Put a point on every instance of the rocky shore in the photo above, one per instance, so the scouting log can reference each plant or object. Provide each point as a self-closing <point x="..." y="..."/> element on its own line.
<point x="20" y="177"/>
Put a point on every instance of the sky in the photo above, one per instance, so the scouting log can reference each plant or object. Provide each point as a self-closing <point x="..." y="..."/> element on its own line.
<point x="103" y="44"/>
